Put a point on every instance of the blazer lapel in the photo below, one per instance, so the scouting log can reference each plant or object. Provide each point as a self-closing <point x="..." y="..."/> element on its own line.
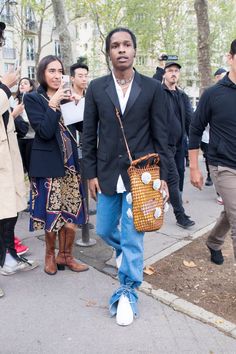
<point x="111" y="92"/>
<point x="135" y="91"/>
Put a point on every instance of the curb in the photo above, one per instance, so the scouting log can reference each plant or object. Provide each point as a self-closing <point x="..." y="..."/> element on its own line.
<point x="189" y="309"/>
<point x="178" y="245"/>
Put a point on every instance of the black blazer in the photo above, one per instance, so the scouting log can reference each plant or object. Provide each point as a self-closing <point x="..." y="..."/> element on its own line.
<point x="145" y="125"/>
<point x="186" y="110"/>
<point x="47" y="150"/>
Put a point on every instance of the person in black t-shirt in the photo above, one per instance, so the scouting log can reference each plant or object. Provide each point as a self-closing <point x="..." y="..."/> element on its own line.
<point x="180" y="117"/>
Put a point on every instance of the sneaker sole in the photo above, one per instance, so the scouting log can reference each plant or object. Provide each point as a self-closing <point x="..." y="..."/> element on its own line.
<point x="23" y="252"/>
<point x="185" y="227"/>
<point x="2" y="272"/>
<point x="33" y="266"/>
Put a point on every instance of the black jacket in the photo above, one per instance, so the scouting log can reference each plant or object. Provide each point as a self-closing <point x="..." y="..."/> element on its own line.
<point x="145" y="126"/>
<point x="217" y="107"/>
<point x="47" y="158"/>
<point x="186" y="112"/>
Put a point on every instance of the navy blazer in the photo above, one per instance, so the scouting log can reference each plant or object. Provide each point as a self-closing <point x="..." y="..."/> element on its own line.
<point x="145" y="125"/>
<point x="47" y="158"/>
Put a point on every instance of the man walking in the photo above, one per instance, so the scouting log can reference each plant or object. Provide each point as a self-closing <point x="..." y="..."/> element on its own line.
<point x="142" y="106"/>
<point x="180" y="117"/>
<point x="217" y="108"/>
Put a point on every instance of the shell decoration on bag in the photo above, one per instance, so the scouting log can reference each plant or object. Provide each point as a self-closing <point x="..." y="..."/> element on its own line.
<point x="156" y="184"/>
<point x="157" y="213"/>
<point x="146" y="177"/>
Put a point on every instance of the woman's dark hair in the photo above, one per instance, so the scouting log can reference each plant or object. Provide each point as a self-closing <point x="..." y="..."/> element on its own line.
<point x="233" y="47"/>
<point x="32" y="85"/>
<point x="42" y="67"/>
<point x="119" y="29"/>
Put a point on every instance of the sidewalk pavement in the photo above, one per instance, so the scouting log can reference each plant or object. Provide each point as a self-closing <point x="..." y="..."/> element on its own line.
<point x="68" y="312"/>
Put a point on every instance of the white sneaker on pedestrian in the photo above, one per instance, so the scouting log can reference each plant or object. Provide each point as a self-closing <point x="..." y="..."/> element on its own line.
<point x="219" y="200"/>
<point x="1" y="293"/>
<point x="124" y="315"/>
<point x="22" y="266"/>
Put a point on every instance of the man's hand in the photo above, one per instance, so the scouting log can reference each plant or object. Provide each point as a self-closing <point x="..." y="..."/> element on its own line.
<point x="196" y="178"/>
<point x="161" y="63"/>
<point x="164" y="188"/>
<point x="94" y="188"/>
<point x="10" y="79"/>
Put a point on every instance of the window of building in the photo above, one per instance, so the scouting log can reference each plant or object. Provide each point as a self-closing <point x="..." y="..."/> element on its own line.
<point x="57" y="47"/>
<point x="6" y="14"/>
<point x="8" y="67"/>
<point x="85" y="25"/>
<point x="31" y="72"/>
<point x="86" y="46"/>
<point x="30" y="19"/>
<point x="30" y="48"/>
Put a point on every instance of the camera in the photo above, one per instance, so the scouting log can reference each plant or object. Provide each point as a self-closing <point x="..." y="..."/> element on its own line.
<point x="166" y="57"/>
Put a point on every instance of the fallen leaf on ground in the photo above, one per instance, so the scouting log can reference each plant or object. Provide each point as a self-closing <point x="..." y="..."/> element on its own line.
<point x="219" y="321"/>
<point x="149" y="270"/>
<point x="91" y="303"/>
<point x="189" y="264"/>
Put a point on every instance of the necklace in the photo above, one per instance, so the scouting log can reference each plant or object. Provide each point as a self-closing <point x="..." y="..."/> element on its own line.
<point x="123" y="82"/>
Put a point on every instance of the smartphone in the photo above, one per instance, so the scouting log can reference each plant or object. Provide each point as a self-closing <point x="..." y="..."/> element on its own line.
<point x="66" y="83"/>
<point x="21" y="97"/>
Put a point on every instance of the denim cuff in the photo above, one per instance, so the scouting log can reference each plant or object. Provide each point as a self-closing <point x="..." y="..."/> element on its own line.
<point x="131" y="295"/>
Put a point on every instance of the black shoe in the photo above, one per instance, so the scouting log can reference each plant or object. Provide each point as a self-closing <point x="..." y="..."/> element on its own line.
<point x="184" y="222"/>
<point x="216" y="256"/>
<point x="208" y="182"/>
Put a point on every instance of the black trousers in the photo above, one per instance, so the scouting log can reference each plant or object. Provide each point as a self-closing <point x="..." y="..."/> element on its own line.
<point x="7" y="228"/>
<point x="173" y="184"/>
<point x="180" y="164"/>
<point x="25" y="146"/>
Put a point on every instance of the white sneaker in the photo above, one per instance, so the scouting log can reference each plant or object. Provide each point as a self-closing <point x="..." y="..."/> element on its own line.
<point x="19" y="267"/>
<point x="124" y="315"/>
<point x="1" y="293"/>
<point x="119" y="260"/>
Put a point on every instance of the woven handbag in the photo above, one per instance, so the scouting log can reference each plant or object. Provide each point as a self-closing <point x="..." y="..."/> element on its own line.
<point x="147" y="200"/>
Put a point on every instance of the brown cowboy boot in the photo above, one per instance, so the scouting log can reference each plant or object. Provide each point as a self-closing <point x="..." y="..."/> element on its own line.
<point x="65" y="258"/>
<point x="50" y="262"/>
<point x="61" y="259"/>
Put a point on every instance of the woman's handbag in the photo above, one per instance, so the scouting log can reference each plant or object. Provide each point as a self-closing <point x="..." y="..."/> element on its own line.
<point x="145" y="189"/>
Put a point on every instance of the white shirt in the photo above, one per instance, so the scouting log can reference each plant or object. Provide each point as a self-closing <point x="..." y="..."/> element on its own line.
<point x="123" y="99"/>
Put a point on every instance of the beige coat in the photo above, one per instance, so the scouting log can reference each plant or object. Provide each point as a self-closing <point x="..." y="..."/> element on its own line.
<point x="12" y="186"/>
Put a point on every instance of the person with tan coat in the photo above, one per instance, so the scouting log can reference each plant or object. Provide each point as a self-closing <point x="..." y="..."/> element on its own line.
<point x="12" y="188"/>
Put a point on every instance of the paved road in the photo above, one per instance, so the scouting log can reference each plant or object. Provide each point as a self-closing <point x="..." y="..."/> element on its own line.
<point x="68" y="312"/>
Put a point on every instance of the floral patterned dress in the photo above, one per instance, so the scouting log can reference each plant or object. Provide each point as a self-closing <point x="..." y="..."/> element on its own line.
<point x="59" y="200"/>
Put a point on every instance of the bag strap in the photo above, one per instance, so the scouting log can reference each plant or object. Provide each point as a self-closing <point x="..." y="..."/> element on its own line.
<point x="123" y="133"/>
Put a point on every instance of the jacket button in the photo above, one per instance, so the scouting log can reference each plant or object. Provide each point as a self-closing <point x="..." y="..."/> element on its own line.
<point x="120" y="156"/>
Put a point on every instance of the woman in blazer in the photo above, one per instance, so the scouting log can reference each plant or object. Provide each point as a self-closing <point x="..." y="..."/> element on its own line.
<point x="57" y="204"/>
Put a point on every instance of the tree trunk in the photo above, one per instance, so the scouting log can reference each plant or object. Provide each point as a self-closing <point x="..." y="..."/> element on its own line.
<point x="63" y="32"/>
<point x="204" y="66"/>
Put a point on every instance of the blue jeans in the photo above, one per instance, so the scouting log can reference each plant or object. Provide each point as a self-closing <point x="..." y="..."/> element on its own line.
<point x="117" y="229"/>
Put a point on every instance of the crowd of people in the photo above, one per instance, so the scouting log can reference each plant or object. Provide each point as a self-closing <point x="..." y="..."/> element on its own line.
<point x="157" y="117"/>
